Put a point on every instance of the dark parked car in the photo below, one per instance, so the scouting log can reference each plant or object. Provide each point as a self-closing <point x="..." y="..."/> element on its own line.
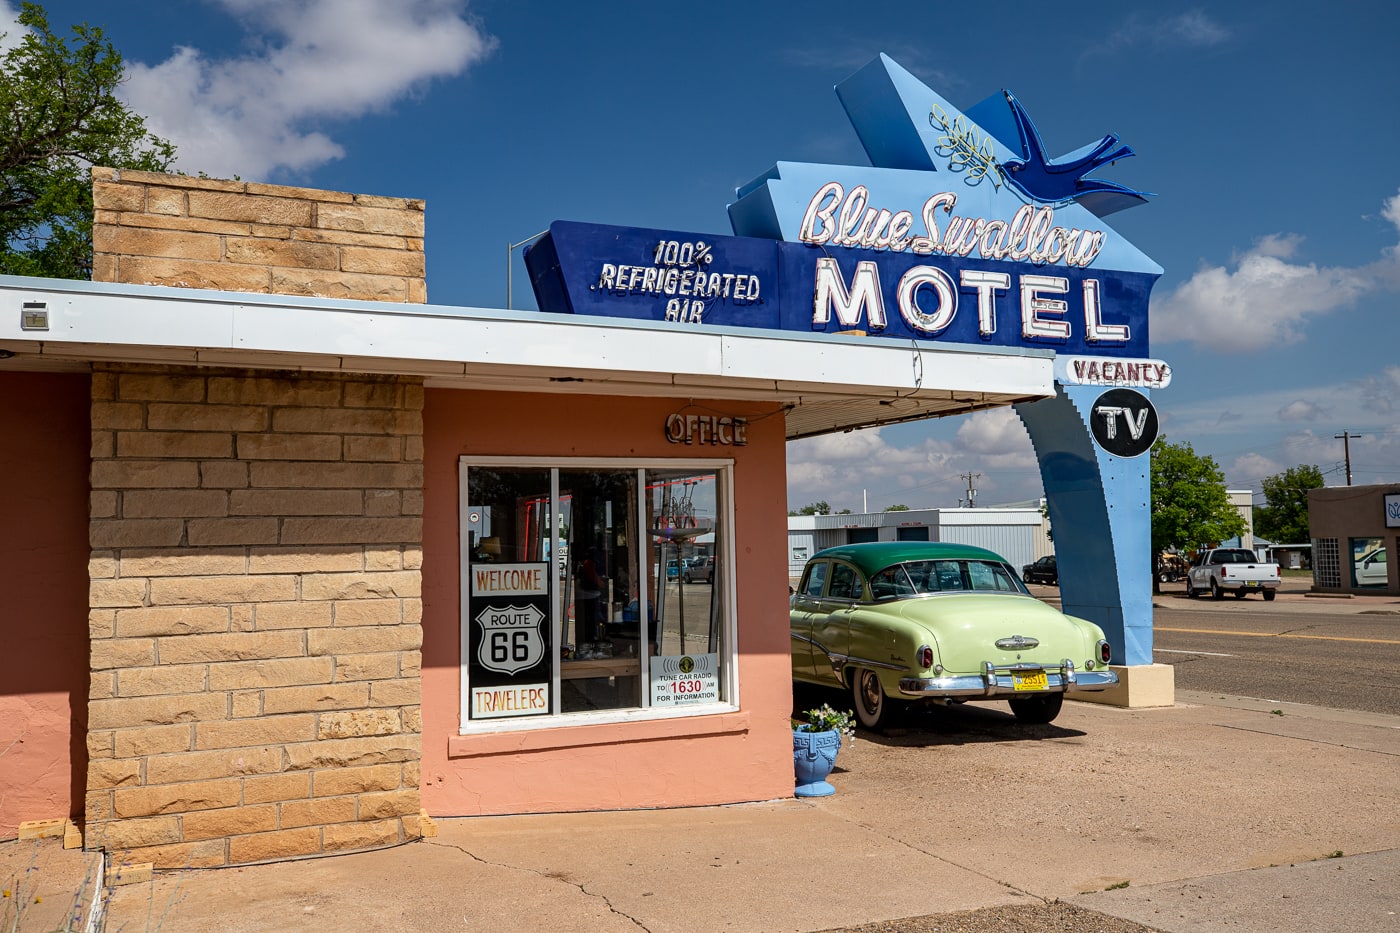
<point x="1042" y="571"/>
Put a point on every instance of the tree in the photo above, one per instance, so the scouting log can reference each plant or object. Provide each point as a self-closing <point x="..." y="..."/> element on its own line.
<point x="815" y="508"/>
<point x="59" y="116"/>
<point x="897" y="508"/>
<point x="1285" y="519"/>
<point x="1190" y="507"/>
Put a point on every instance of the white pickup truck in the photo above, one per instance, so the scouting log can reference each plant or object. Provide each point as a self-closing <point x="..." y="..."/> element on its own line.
<point x="1233" y="570"/>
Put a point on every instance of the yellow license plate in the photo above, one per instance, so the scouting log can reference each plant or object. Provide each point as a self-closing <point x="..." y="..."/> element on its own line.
<point x="1030" y="681"/>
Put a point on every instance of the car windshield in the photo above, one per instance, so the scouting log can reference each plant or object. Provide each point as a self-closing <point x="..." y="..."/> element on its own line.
<point x="923" y="577"/>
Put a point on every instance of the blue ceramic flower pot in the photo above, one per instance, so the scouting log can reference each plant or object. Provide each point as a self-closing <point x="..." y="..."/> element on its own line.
<point x="813" y="757"/>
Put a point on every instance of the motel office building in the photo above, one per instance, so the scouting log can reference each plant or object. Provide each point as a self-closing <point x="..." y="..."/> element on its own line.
<point x="282" y="541"/>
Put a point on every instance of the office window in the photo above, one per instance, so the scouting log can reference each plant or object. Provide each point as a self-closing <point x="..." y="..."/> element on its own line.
<point x="561" y="564"/>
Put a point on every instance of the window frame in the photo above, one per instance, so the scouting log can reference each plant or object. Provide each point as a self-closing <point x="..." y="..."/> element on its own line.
<point x="724" y="469"/>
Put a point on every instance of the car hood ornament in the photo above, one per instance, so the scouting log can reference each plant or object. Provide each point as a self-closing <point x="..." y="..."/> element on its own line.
<point x="1017" y="643"/>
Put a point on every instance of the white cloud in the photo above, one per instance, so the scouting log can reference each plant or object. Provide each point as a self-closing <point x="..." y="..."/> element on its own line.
<point x="1301" y="410"/>
<point x="844" y="469"/>
<point x="860" y="468"/>
<point x="1374" y="455"/>
<point x="1278" y="245"/>
<point x="1365" y="402"/>
<point x="1267" y="299"/>
<point x="1248" y="471"/>
<point x="1378" y="393"/>
<point x="9" y="25"/>
<point x="999" y="439"/>
<point x="1302" y="448"/>
<point x="1193" y="29"/>
<point x="1387" y="269"/>
<point x="1391" y="210"/>
<point x="314" y="61"/>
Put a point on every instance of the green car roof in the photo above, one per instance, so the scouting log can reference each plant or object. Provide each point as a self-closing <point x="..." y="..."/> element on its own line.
<point x="875" y="556"/>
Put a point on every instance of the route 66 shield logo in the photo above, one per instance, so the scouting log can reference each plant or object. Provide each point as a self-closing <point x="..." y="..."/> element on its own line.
<point x="512" y="638"/>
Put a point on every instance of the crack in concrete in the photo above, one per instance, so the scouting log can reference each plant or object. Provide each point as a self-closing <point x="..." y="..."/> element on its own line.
<point x="1302" y="738"/>
<point x="582" y="889"/>
<point x="945" y="860"/>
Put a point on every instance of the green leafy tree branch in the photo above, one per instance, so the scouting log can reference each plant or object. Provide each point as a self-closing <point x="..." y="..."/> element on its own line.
<point x="59" y="116"/>
<point x="1190" y="505"/>
<point x="1284" y="519"/>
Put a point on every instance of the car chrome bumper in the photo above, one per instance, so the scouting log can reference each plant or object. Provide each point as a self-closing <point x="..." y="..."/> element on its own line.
<point x="998" y="682"/>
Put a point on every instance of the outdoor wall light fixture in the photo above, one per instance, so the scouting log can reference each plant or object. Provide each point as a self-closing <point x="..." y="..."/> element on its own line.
<point x="34" y="315"/>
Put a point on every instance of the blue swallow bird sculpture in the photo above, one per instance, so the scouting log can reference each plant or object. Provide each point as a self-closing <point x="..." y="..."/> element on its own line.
<point x="1042" y="179"/>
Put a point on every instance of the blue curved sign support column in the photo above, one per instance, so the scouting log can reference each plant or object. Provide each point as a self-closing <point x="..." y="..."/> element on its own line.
<point x="1100" y="510"/>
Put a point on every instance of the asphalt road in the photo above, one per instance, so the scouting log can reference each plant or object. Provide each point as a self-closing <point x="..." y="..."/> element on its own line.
<point x="1341" y="654"/>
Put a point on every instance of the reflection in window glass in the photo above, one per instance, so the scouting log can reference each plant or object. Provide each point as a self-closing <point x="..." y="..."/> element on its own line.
<point x="599" y="668"/>
<point x="845" y="582"/>
<point x="985" y="575"/>
<point x="816" y="579"/>
<point x="1368" y="562"/>
<point x="683" y="510"/>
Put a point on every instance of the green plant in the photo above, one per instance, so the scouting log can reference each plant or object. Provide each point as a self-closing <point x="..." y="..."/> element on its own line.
<point x="825" y="719"/>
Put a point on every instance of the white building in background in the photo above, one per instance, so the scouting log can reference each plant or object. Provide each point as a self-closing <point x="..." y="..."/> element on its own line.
<point x="1016" y="532"/>
<point x="1243" y="501"/>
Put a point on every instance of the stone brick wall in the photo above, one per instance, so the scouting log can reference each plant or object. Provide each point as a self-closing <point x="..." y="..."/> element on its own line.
<point x="154" y="229"/>
<point x="255" y="613"/>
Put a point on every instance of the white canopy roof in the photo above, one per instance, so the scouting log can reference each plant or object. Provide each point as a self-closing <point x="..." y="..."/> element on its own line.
<point x="829" y="382"/>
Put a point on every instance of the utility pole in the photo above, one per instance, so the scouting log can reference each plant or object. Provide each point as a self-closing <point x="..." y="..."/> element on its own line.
<point x="1345" y="437"/>
<point x="971" y="490"/>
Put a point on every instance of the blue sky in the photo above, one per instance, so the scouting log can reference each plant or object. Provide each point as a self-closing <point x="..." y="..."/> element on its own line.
<point x="1268" y="131"/>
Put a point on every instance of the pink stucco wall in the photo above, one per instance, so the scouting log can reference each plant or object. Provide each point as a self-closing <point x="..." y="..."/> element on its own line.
<point x="741" y="756"/>
<point x="44" y="579"/>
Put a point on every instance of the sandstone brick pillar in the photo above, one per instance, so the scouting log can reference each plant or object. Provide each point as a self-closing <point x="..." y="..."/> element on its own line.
<point x="153" y="229"/>
<point x="254" y="613"/>
<point x="254" y="599"/>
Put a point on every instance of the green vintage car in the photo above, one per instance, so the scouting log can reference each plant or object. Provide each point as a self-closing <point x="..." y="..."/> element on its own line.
<point x="907" y="621"/>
